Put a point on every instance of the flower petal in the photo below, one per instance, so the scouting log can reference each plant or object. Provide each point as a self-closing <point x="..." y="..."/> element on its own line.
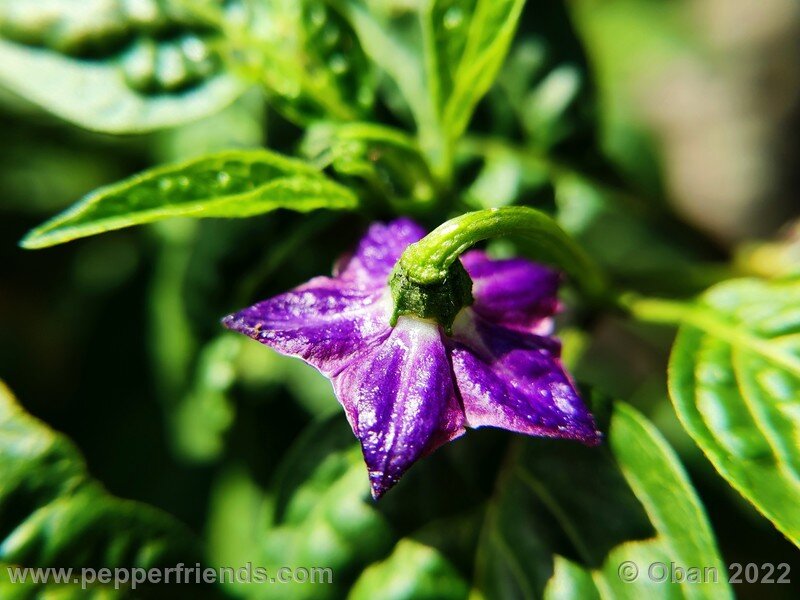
<point x="377" y="252"/>
<point x="515" y="381"/>
<point x="400" y="401"/>
<point x="324" y="322"/>
<point x="514" y="292"/>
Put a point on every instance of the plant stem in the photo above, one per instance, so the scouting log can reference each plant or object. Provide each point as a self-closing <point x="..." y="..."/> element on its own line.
<point x="427" y="261"/>
<point x="655" y="310"/>
<point x="375" y="132"/>
<point x="658" y="310"/>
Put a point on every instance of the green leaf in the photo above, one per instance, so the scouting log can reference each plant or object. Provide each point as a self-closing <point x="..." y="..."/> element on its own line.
<point x="312" y="63"/>
<point x="472" y="40"/>
<point x="544" y="87"/>
<point x="570" y="581"/>
<point x="114" y="66"/>
<point x="391" y="35"/>
<point x="443" y="55"/>
<point x="53" y="514"/>
<point x="735" y="382"/>
<point x="635" y="503"/>
<point x="413" y="571"/>
<point x="387" y="159"/>
<point x="657" y="478"/>
<point x="323" y="514"/>
<point x="237" y="183"/>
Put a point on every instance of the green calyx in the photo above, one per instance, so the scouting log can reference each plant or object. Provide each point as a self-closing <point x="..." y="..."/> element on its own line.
<point x="439" y="301"/>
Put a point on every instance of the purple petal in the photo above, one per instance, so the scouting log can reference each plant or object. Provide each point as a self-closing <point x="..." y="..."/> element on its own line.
<point x="513" y="292"/>
<point x="400" y="401"/>
<point x="324" y="322"/>
<point x="515" y="381"/>
<point x="377" y="252"/>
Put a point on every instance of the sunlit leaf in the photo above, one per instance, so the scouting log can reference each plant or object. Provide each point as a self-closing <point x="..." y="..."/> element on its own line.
<point x="413" y="571"/>
<point x="735" y="383"/>
<point x="472" y="42"/>
<point x="636" y="504"/>
<point x="656" y="476"/>
<point x="323" y="514"/>
<point x="443" y="55"/>
<point x="114" y="66"/>
<point x="237" y="183"/>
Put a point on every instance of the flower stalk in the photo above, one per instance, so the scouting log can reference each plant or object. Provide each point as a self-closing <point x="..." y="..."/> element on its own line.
<point x="674" y="312"/>
<point x="428" y="261"/>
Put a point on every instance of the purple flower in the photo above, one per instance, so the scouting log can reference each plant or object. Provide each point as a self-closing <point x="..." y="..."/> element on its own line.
<point x="408" y="389"/>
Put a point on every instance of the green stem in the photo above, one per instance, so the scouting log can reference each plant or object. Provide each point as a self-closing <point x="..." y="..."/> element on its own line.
<point x="656" y="310"/>
<point x="672" y="312"/>
<point x="375" y="132"/>
<point x="427" y="262"/>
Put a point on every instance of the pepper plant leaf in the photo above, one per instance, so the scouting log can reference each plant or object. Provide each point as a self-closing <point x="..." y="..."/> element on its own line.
<point x="443" y="55"/>
<point x="735" y="382"/>
<point x="637" y="505"/>
<point x="413" y="570"/>
<point x="322" y="514"/>
<point x="311" y="62"/>
<point x="53" y="514"/>
<point x="116" y="67"/>
<point x="237" y="183"/>
<point x="471" y="39"/>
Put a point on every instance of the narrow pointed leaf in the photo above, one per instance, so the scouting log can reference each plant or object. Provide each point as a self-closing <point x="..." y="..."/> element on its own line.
<point x="636" y="504"/>
<point x="238" y="183"/>
<point x="443" y="56"/>
<point x="659" y="481"/>
<point x="474" y="59"/>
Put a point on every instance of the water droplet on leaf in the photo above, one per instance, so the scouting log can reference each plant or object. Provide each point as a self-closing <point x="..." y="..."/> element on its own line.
<point x="339" y="64"/>
<point x="224" y="178"/>
<point x="453" y="17"/>
<point x="317" y="15"/>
